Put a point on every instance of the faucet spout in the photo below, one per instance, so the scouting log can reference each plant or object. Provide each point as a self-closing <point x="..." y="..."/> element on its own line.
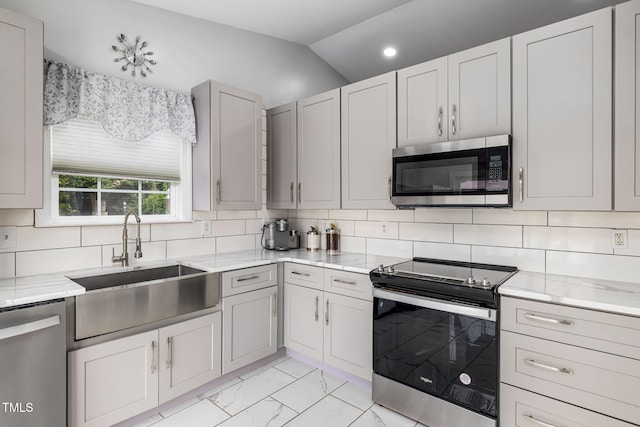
<point x="124" y="257"/>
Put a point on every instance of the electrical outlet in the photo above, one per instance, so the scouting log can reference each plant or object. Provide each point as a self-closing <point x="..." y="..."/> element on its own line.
<point x="8" y="237"/>
<point x="206" y="227"/>
<point x="619" y="239"/>
<point x="385" y="228"/>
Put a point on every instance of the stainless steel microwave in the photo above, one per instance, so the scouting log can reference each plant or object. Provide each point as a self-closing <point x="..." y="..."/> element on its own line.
<point x="473" y="172"/>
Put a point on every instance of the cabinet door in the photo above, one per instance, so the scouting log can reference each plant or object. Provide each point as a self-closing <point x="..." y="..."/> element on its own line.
<point x="368" y="137"/>
<point x="627" y="118"/>
<point x="189" y="355"/>
<point x="348" y="334"/>
<point x="480" y="91"/>
<point x="113" y="381"/>
<point x="303" y="317"/>
<point x="319" y="151"/>
<point x="21" y="45"/>
<point x="562" y="115"/>
<point x="422" y="103"/>
<point x="281" y="157"/>
<point x="250" y="328"/>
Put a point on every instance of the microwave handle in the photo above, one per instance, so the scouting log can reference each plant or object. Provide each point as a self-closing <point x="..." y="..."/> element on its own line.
<point x="520" y="184"/>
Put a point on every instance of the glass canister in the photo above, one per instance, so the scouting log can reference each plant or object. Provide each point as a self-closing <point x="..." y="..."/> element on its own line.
<point x="313" y="240"/>
<point x="333" y="240"/>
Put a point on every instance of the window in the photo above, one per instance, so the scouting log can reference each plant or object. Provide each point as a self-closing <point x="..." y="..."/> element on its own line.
<point x="95" y="179"/>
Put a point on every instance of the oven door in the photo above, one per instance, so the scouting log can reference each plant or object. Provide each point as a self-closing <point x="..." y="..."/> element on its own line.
<point x="447" y="350"/>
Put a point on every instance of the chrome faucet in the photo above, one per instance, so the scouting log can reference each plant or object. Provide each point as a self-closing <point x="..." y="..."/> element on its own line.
<point x="124" y="258"/>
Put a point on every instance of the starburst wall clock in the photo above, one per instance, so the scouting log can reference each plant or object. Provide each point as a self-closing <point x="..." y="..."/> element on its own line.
<point x="134" y="55"/>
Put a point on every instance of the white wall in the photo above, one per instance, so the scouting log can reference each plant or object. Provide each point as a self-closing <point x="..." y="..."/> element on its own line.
<point x="188" y="50"/>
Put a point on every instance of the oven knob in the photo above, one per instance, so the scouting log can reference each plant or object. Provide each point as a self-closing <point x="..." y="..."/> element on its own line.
<point x="486" y="283"/>
<point x="471" y="280"/>
<point x="391" y="270"/>
<point x="380" y="268"/>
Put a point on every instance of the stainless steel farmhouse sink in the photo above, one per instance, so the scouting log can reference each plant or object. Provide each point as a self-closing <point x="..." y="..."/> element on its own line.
<point x="131" y="298"/>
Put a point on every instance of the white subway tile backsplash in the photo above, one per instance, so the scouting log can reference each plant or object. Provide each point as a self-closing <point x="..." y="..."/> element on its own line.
<point x="31" y="238"/>
<point x="17" y="217"/>
<point x="7" y="265"/>
<point x="509" y="217"/>
<point x="199" y="215"/>
<point x="237" y="214"/>
<point x="378" y="229"/>
<point x="524" y="259"/>
<point x="444" y="215"/>
<point x="595" y="219"/>
<point x="151" y="251"/>
<point x="273" y="213"/>
<point x="488" y="235"/>
<point x="426" y="232"/>
<point x="228" y="228"/>
<point x="348" y="214"/>
<point x="312" y="214"/>
<point x="190" y="247"/>
<point x="568" y="239"/>
<point x="186" y="230"/>
<point x="399" y="215"/>
<point x="353" y="244"/>
<point x="235" y="243"/>
<point x="112" y="234"/>
<point x="595" y="266"/>
<point x="442" y="251"/>
<point x="57" y="260"/>
<point x="386" y="247"/>
<point x="254" y="226"/>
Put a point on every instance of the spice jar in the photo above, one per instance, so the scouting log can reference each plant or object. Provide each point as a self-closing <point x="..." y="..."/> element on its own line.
<point x="333" y="240"/>
<point x="313" y="240"/>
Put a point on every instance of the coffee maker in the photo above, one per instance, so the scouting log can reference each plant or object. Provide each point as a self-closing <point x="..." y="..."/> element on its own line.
<point x="277" y="236"/>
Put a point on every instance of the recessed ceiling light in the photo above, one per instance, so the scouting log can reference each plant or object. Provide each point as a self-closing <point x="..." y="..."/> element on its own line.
<point x="389" y="52"/>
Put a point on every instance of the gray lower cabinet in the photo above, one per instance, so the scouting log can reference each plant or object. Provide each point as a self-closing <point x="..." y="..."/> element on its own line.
<point x="116" y="380"/>
<point x="585" y="363"/>
<point x="282" y="141"/>
<point x="250" y="316"/>
<point x="227" y="158"/>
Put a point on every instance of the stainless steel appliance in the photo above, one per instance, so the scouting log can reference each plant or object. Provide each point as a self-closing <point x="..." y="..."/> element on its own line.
<point x="475" y="172"/>
<point x="277" y="236"/>
<point x="33" y="365"/>
<point x="435" y="342"/>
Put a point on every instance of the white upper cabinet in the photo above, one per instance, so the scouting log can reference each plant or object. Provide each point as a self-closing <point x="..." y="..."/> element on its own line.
<point x="465" y="95"/>
<point x="562" y="105"/>
<point x="627" y="119"/>
<point x="319" y="151"/>
<point x="227" y="159"/>
<point x="21" y="44"/>
<point x="422" y="103"/>
<point x="282" y="143"/>
<point x="368" y="137"/>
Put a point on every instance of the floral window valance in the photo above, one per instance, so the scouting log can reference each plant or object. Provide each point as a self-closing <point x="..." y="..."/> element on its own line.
<point x="127" y="110"/>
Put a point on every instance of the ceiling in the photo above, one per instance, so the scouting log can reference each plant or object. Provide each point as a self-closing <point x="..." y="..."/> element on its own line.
<point x="350" y="34"/>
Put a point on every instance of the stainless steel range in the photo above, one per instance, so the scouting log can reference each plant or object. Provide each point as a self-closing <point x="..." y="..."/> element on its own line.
<point x="435" y="349"/>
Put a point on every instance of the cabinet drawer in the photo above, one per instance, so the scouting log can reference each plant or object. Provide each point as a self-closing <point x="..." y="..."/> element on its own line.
<point x="611" y="333"/>
<point x="591" y="379"/>
<point x="520" y="408"/>
<point x="249" y="279"/>
<point x="304" y="275"/>
<point x="349" y="284"/>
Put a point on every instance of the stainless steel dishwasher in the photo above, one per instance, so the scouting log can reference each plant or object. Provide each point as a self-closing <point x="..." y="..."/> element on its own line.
<point x="33" y="383"/>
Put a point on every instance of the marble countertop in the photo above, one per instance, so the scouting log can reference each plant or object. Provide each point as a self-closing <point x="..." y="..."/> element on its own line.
<point x="596" y="294"/>
<point x="31" y="289"/>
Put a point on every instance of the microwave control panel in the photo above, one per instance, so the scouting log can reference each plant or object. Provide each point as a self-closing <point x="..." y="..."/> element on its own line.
<point x="497" y="169"/>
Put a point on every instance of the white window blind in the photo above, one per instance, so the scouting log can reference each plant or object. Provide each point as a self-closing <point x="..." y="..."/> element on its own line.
<point x="81" y="146"/>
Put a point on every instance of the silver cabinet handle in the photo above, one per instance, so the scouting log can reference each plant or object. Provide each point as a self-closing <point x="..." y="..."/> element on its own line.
<point x="244" y="279"/>
<point x="390" y="189"/>
<point x="454" y="109"/>
<point x="153" y="357"/>
<point x="346" y="282"/>
<point x="535" y="364"/>
<point x="218" y="192"/>
<point x="26" y="328"/>
<point x="297" y="273"/>
<point x="317" y="302"/>
<point x="326" y="314"/>
<point x="521" y="184"/>
<point x="169" y="352"/>
<point x="440" y="121"/>
<point x="537" y="421"/>
<point x="292" y="192"/>
<point x="537" y="318"/>
<point x="274" y="311"/>
<point x="299" y="192"/>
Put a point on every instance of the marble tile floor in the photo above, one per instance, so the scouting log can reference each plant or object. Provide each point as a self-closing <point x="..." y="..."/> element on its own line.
<point x="285" y="392"/>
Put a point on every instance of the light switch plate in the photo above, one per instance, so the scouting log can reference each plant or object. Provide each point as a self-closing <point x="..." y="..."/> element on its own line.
<point x="206" y="227"/>
<point x="8" y="237"/>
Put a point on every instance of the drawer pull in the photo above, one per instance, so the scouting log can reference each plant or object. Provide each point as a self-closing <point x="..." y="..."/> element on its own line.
<point x="537" y="318"/>
<point x="297" y="273"/>
<point x="346" y="282"/>
<point x="242" y="279"/>
<point x="534" y="420"/>
<point x="535" y="364"/>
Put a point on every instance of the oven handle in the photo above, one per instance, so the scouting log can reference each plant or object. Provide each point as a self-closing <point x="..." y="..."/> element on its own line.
<point x="451" y="307"/>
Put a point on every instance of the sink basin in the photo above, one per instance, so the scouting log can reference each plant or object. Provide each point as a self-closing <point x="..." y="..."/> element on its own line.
<point x="127" y="299"/>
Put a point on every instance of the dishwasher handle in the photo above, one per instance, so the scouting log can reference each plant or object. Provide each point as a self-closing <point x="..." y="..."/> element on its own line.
<point x="26" y="328"/>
